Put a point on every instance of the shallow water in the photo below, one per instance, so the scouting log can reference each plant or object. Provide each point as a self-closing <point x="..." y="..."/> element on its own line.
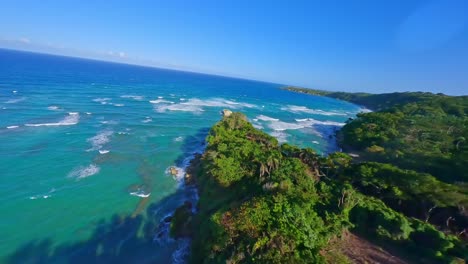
<point x="85" y="147"/>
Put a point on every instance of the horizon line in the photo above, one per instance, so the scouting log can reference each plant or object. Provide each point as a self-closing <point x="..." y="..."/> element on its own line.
<point x="145" y="66"/>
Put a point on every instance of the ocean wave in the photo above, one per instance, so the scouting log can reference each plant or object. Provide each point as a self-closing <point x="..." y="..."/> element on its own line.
<point x="16" y="100"/>
<point x="197" y="105"/>
<point x="178" y="107"/>
<point x="42" y="196"/>
<point x="280" y="136"/>
<point x="72" y="119"/>
<point x="101" y="100"/>
<point x="178" y="139"/>
<point x="83" y="172"/>
<point x="12" y="127"/>
<point x="257" y="126"/>
<point x="311" y="122"/>
<point x="281" y="126"/>
<point x="103" y="151"/>
<point x="316" y="142"/>
<point x="39" y="196"/>
<point x="109" y="122"/>
<point x="147" y="120"/>
<point x="53" y="107"/>
<point x="266" y="118"/>
<point x="140" y="193"/>
<point x="119" y="105"/>
<point x="303" y="109"/>
<point x="99" y="140"/>
<point x="160" y="101"/>
<point x="134" y="97"/>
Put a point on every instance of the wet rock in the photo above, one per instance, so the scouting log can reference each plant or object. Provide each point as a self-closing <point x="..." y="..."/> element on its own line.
<point x="226" y="113"/>
<point x="181" y="223"/>
<point x="173" y="171"/>
<point x="188" y="178"/>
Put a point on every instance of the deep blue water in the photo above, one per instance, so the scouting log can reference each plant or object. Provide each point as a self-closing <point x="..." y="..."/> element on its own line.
<point x="85" y="147"/>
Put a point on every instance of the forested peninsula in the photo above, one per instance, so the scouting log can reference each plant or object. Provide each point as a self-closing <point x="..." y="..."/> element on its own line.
<point x="402" y="189"/>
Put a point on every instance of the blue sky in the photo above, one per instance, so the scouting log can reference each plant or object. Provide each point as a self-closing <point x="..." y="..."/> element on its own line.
<point x="365" y="45"/>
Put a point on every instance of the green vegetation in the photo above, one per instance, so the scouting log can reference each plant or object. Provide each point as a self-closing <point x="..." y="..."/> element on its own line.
<point x="261" y="202"/>
<point x="419" y="131"/>
<point x="268" y="203"/>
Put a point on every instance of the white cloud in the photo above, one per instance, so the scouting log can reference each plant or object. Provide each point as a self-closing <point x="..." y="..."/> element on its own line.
<point x="122" y="54"/>
<point x="24" y="40"/>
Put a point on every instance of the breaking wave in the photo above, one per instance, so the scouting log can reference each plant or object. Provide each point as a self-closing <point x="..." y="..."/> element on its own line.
<point x="303" y="109"/>
<point x="72" y="119"/>
<point x="197" y="105"/>
<point x="134" y="97"/>
<point x="83" y="172"/>
<point x="99" y="140"/>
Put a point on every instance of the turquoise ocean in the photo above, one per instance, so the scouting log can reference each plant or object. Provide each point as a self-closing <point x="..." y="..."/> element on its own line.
<point x="85" y="148"/>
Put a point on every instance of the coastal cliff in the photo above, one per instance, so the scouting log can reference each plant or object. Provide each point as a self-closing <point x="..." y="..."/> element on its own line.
<point x="269" y="203"/>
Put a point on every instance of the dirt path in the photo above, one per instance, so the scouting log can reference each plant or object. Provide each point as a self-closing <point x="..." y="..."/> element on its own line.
<point x="359" y="250"/>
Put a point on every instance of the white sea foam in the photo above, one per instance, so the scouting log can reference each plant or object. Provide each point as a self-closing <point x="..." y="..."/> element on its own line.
<point x="307" y="122"/>
<point x="99" y="140"/>
<point x="266" y="118"/>
<point x="197" y="105"/>
<point x="159" y="101"/>
<point x="53" y="107"/>
<point x="83" y="172"/>
<point x="12" y="127"/>
<point x="160" y="97"/>
<point x="101" y="100"/>
<point x="280" y="136"/>
<point x="43" y="196"/>
<point x="257" y="126"/>
<point x="134" y="97"/>
<point x="109" y="122"/>
<point x="281" y="126"/>
<point x="180" y="255"/>
<point x="179" y="177"/>
<point x="147" y="120"/>
<point x="104" y="151"/>
<point x="120" y="105"/>
<point x="16" y="100"/>
<point x="303" y="109"/>
<point x="178" y="107"/>
<point x="140" y="193"/>
<point x="72" y="119"/>
<point x="88" y="113"/>
<point x="14" y="91"/>
<point x="178" y="139"/>
<point x="39" y="196"/>
<point x="315" y="142"/>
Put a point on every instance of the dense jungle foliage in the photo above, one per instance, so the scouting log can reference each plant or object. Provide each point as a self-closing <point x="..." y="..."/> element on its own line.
<point x="268" y="203"/>
<point x="420" y="131"/>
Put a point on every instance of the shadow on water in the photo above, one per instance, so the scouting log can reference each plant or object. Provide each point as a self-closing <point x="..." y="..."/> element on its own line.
<point x="133" y="238"/>
<point x="192" y="144"/>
